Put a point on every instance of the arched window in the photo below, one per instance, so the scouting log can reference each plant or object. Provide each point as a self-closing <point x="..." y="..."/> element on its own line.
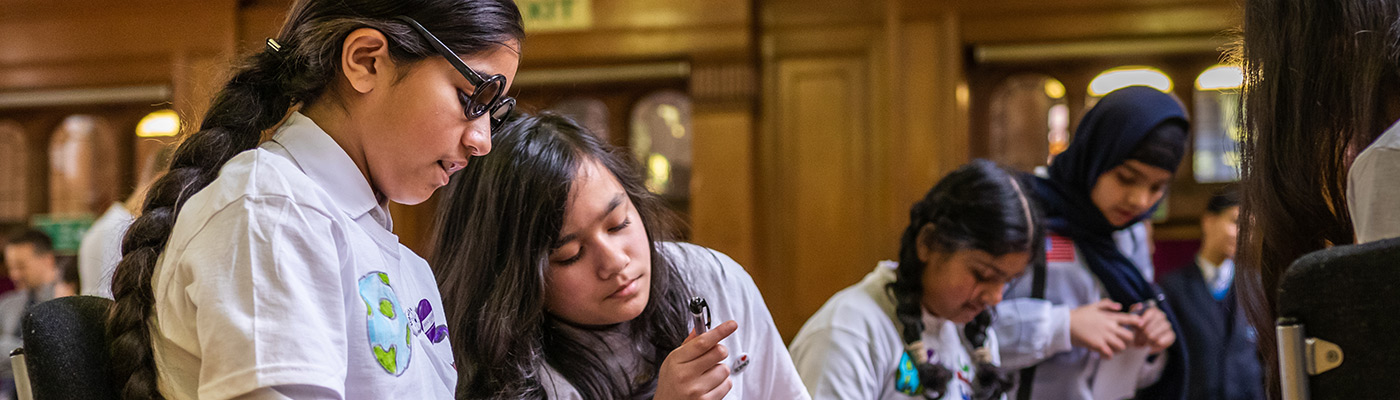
<point x="1216" y="121"/>
<point x="1029" y="121"/>
<point x="82" y="179"/>
<point x="14" y="186"/>
<point x="590" y="112"/>
<point x="661" y="139"/>
<point x="1125" y="76"/>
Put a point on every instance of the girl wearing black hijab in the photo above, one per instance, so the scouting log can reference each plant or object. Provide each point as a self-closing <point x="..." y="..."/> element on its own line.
<point x="1090" y="323"/>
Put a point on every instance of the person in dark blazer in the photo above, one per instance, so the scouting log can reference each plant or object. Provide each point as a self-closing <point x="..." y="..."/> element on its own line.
<point x="1220" y="342"/>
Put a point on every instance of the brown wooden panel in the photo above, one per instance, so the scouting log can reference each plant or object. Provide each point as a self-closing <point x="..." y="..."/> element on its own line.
<point x="14" y="156"/>
<point x="982" y="7"/>
<point x="198" y="77"/>
<point x="808" y="13"/>
<point x="1116" y="22"/>
<point x="824" y="40"/>
<point x="721" y="181"/>
<point x="131" y="71"/>
<point x="668" y="14"/>
<point x="587" y="47"/>
<point x="932" y="137"/>
<point x="816" y="167"/>
<point x="48" y="36"/>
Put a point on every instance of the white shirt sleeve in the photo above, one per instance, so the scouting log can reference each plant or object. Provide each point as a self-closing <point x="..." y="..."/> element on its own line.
<point x="1030" y="331"/>
<point x="837" y="364"/>
<point x="269" y="301"/>
<point x="772" y="374"/>
<point x="1373" y="196"/>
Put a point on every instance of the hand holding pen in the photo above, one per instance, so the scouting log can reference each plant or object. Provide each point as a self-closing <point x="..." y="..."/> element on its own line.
<point x="693" y="370"/>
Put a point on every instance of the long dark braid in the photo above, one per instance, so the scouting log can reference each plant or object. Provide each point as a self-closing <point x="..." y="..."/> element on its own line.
<point x="979" y="206"/>
<point x="261" y="92"/>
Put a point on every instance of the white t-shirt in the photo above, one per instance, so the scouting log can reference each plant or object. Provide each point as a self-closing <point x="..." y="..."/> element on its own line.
<point x="1373" y="196"/>
<point x="283" y="273"/>
<point x="101" y="250"/>
<point x="851" y="348"/>
<point x="760" y="364"/>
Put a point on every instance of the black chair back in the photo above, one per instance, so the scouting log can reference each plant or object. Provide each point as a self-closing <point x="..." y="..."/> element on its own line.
<point x="1349" y="296"/>
<point x="66" y="349"/>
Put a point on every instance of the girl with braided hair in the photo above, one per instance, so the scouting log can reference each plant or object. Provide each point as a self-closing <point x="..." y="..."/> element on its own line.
<point x="918" y="327"/>
<point x="268" y="270"/>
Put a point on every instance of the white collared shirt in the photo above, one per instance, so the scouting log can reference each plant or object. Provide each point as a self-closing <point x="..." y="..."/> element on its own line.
<point x="1372" y="190"/>
<point x="1217" y="277"/>
<point x="283" y="272"/>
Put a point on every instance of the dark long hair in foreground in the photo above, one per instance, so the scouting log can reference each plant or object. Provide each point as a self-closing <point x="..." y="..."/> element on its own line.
<point x="1319" y="75"/>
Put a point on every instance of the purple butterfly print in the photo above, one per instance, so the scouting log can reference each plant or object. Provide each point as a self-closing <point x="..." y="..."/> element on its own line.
<point x="424" y="313"/>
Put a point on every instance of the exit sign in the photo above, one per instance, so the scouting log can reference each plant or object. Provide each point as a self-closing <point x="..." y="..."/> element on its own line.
<point x="556" y="15"/>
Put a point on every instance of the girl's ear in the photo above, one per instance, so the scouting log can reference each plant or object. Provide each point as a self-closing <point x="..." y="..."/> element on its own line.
<point x="365" y="61"/>
<point x="921" y="242"/>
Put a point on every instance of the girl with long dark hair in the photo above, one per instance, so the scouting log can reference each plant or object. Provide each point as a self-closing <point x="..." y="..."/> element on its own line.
<point x="560" y="283"/>
<point x="1092" y="324"/>
<point x="1320" y="92"/>
<point x="269" y="269"/>
<point x="917" y="328"/>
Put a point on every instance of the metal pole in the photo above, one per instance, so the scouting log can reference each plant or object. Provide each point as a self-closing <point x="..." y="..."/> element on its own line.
<point x="1292" y="361"/>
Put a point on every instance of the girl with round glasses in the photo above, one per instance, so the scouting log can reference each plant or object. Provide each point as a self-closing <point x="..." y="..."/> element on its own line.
<point x="268" y="269"/>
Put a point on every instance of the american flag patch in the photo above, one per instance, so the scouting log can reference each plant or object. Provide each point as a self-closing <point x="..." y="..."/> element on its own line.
<point x="1059" y="249"/>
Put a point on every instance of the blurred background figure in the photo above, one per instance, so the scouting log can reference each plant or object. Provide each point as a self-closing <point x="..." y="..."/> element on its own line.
<point x="30" y="263"/>
<point x="102" y="244"/>
<point x="1219" y="341"/>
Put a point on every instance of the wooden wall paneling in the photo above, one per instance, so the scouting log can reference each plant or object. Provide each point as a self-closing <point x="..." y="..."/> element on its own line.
<point x="14" y="186"/>
<point x="779" y="14"/>
<point x="981" y="8"/>
<point x="197" y="78"/>
<point x="1174" y="20"/>
<point x="722" y="180"/>
<point x="134" y="70"/>
<point x="636" y="30"/>
<point x="932" y="105"/>
<point x="115" y="32"/>
<point x="603" y="46"/>
<point x="816" y="187"/>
